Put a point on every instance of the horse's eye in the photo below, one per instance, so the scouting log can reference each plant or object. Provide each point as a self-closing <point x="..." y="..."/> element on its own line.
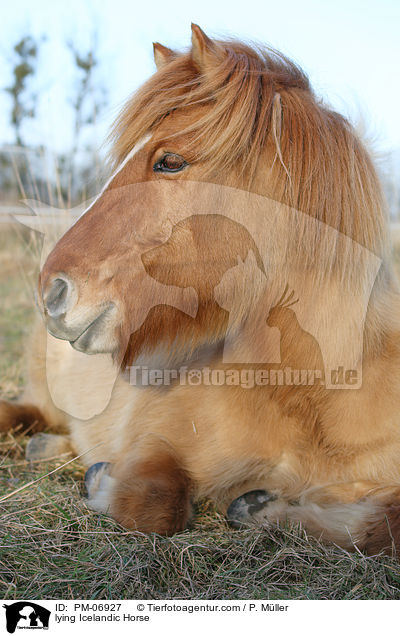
<point x="170" y="163"/>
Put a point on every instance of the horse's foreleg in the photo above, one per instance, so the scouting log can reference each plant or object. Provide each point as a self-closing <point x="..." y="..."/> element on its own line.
<point x="30" y="419"/>
<point x="362" y="514"/>
<point x="149" y="491"/>
<point x="46" y="446"/>
<point x="35" y="411"/>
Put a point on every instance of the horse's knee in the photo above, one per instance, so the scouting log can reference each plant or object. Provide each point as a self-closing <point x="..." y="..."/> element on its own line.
<point x="153" y="495"/>
<point x="149" y="494"/>
<point x="23" y="417"/>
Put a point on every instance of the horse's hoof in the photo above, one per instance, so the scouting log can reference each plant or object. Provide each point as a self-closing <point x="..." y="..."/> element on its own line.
<point x="98" y="485"/>
<point x="46" y="446"/>
<point x="93" y="476"/>
<point x="243" y="510"/>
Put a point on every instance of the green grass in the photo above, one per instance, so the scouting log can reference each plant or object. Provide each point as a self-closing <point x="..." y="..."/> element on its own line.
<point x="52" y="546"/>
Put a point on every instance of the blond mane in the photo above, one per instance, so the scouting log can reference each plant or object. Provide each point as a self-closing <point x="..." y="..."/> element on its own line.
<point x="261" y="101"/>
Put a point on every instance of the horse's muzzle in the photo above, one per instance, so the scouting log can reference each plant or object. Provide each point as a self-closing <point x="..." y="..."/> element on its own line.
<point x="87" y="328"/>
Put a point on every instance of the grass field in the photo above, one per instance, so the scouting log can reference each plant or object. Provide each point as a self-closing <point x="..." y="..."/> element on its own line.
<point x="52" y="546"/>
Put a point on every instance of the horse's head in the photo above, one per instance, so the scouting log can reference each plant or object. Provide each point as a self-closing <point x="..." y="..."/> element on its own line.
<point x="98" y="287"/>
<point x="139" y="268"/>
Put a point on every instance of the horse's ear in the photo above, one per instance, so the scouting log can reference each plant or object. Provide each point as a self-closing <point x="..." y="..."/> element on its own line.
<point x="162" y="55"/>
<point x="201" y="46"/>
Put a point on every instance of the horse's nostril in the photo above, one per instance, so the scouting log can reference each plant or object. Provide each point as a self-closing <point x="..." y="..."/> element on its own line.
<point x="56" y="299"/>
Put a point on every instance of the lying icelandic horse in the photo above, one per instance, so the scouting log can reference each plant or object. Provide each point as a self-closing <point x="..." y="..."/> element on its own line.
<point x="226" y="115"/>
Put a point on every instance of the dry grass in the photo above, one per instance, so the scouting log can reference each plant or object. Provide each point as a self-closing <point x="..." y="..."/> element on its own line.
<point x="18" y="271"/>
<point x="52" y="546"/>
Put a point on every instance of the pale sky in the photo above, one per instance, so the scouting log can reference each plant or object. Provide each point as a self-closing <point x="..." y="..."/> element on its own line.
<point x="349" y="48"/>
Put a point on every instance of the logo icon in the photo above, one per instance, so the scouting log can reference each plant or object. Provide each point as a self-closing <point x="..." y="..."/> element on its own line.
<point x="26" y="615"/>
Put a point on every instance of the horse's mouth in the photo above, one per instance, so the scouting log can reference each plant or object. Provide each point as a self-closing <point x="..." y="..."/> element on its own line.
<point x="95" y="337"/>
